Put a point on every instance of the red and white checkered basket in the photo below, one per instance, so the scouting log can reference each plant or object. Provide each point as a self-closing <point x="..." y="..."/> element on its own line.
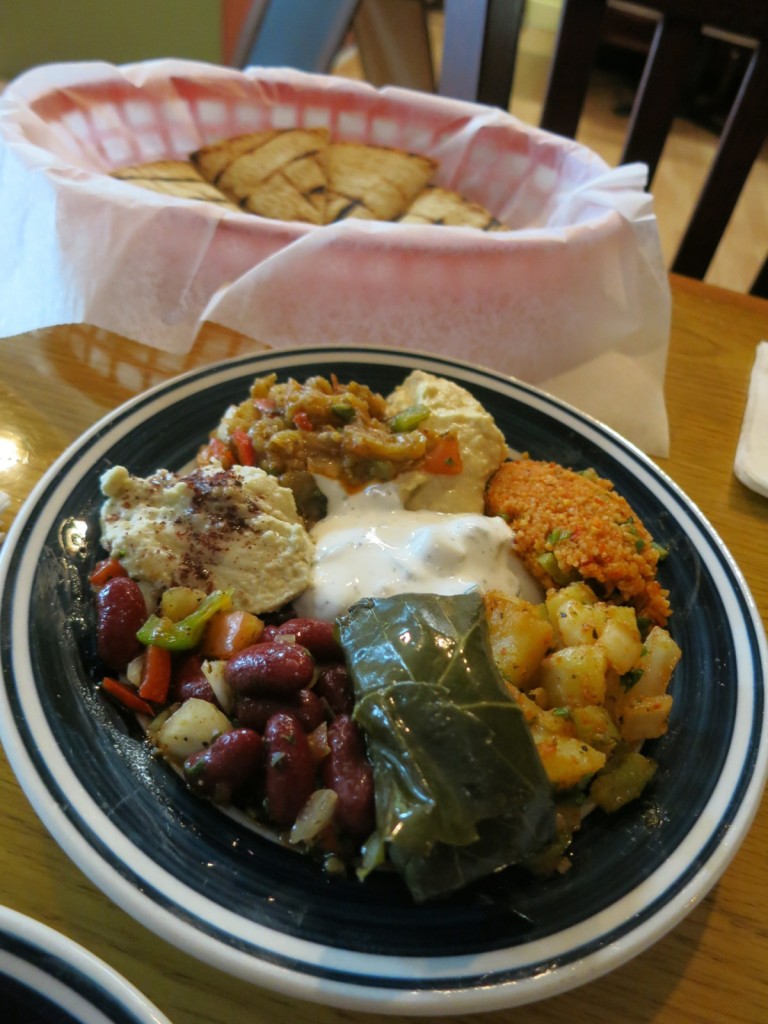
<point x="579" y="277"/>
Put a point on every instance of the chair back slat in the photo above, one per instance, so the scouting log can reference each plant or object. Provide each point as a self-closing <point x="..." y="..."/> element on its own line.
<point x="479" y="49"/>
<point x="464" y="41"/>
<point x="740" y="143"/>
<point x="578" y="38"/>
<point x="661" y="86"/>
<point x="739" y="17"/>
<point x="675" y="43"/>
<point x="760" y="285"/>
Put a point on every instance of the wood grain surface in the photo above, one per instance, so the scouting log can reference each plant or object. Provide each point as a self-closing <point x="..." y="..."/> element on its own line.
<point x="710" y="968"/>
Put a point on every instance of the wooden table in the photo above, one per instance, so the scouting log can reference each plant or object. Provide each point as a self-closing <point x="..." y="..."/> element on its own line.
<point x="712" y="968"/>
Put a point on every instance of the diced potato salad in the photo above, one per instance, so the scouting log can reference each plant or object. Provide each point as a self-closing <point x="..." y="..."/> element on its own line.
<point x="254" y="704"/>
<point x="577" y="667"/>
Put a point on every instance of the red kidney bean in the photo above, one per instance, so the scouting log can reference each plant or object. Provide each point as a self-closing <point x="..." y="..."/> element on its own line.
<point x="231" y="763"/>
<point x="189" y="680"/>
<point x="314" y="634"/>
<point x="186" y="667"/>
<point x="334" y="683"/>
<point x="255" y="712"/>
<point x="270" y="670"/>
<point x="348" y="772"/>
<point x="121" y="612"/>
<point x="289" y="768"/>
<point x="199" y="688"/>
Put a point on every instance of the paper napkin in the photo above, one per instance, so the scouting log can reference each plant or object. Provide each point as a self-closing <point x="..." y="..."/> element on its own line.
<point x="751" y="463"/>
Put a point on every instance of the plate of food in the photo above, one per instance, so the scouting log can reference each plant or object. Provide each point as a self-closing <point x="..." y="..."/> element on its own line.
<point x="46" y="978"/>
<point x="367" y="677"/>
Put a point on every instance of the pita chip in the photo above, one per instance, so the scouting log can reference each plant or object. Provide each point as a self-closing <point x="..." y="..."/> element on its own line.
<point x="213" y="159"/>
<point x="172" y="178"/>
<point x="437" y="205"/>
<point x="276" y="174"/>
<point x="372" y="182"/>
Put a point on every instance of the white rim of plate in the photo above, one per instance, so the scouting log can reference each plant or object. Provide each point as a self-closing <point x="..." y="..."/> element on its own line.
<point x="26" y="931"/>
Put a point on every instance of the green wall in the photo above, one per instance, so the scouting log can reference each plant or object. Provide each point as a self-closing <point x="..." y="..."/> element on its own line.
<point x="119" y="31"/>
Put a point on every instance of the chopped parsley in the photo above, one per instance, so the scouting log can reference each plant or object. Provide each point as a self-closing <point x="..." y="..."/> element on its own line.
<point x="629" y="679"/>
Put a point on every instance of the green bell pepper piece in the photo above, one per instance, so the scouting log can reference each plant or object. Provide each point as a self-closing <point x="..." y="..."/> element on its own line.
<point x="344" y="411"/>
<point x="549" y="564"/>
<point x="187" y="632"/>
<point x="408" y="419"/>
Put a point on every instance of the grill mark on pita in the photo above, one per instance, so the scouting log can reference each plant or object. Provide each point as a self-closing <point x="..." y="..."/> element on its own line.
<point x="353" y="179"/>
<point x="161" y="177"/>
<point x="345" y="211"/>
<point x="217" y="178"/>
<point x="446" y="207"/>
<point x="381" y="181"/>
<point x="177" y="178"/>
<point x="212" y="199"/>
<point x="317" y="190"/>
<point x="278" y="175"/>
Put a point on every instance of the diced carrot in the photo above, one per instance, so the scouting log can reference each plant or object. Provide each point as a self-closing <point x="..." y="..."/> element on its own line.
<point x="246" y="455"/>
<point x="104" y="571"/>
<point x="155" y="674"/>
<point x="216" y="451"/>
<point x="229" y="632"/>
<point x="302" y="421"/>
<point x="126" y="696"/>
<point x="444" y="458"/>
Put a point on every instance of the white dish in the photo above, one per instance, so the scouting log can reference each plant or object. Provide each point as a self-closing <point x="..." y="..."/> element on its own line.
<point x="46" y="978"/>
<point x="227" y="895"/>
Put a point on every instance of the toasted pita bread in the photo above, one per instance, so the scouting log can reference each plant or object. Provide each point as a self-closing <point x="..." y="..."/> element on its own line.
<point x="372" y="182"/>
<point x="274" y="174"/>
<point x="437" y="205"/>
<point x="212" y="160"/>
<point x="173" y="178"/>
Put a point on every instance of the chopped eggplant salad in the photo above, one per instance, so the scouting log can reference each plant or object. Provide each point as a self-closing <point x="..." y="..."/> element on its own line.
<point x="363" y="624"/>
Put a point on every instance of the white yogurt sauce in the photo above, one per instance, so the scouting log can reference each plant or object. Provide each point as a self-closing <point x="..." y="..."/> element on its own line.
<point x="369" y="546"/>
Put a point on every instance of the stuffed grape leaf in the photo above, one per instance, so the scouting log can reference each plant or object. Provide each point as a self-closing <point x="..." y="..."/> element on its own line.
<point x="460" y="789"/>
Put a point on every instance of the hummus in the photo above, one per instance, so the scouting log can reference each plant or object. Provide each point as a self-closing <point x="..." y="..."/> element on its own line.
<point x="212" y="529"/>
<point x="482" y="445"/>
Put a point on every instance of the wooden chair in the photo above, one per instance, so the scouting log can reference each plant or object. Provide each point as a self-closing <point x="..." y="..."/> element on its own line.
<point x="391" y="35"/>
<point x="293" y="33"/>
<point x="480" y="42"/>
<point x="677" y="35"/>
<point x="478" y="63"/>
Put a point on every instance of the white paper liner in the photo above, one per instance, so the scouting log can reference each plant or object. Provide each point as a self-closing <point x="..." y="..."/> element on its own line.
<point x="575" y="299"/>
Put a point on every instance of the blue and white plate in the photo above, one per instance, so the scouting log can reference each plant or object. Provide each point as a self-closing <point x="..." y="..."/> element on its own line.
<point x="241" y="902"/>
<point x="45" y="978"/>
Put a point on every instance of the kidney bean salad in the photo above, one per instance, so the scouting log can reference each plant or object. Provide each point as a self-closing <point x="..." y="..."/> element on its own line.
<point x="363" y="624"/>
